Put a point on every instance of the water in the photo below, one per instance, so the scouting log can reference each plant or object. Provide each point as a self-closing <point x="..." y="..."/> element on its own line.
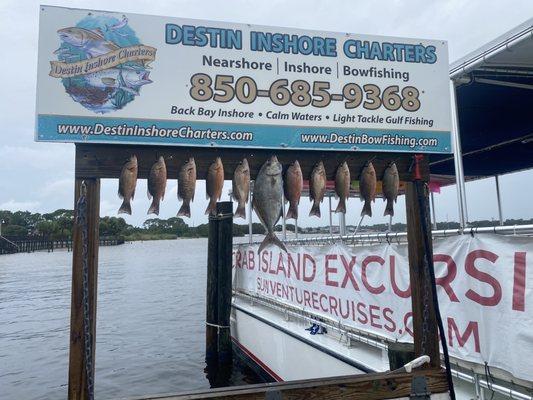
<point x="150" y="328"/>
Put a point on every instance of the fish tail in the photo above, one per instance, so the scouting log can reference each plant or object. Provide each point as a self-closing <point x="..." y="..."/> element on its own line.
<point x="341" y="207"/>
<point x="125" y="208"/>
<point x="185" y="210"/>
<point x="389" y="208"/>
<point x="154" y="208"/>
<point x="211" y="207"/>
<point x="240" y="212"/>
<point x="292" y="212"/>
<point x="269" y="239"/>
<point x="367" y="209"/>
<point x="315" y="210"/>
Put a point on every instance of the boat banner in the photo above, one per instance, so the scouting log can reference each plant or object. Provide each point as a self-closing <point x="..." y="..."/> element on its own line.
<point x="484" y="284"/>
<point x="113" y="77"/>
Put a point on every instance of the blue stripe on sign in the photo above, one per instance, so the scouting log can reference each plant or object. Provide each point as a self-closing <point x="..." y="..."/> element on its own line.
<point x="186" y="133"/>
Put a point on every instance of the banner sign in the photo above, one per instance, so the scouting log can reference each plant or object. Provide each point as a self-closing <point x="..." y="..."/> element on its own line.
<point x="484" y="286"/>
<point x="126" y="78"/>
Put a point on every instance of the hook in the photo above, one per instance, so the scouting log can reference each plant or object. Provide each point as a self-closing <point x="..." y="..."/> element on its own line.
<point x="472" y="231"/>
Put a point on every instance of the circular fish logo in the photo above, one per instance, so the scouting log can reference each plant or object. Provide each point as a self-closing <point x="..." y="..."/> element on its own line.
<point x="101" y="63"/>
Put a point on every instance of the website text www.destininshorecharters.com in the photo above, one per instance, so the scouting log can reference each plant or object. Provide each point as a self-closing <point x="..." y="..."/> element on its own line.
<point x="188" y="133"/>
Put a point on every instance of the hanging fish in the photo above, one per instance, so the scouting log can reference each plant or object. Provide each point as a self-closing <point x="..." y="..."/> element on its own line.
<point x="214" y="184"/>
<point x="126" y="185"/>
<point x="267" y="200"/>
<point x="367" y="187"/>
<point x="317" y="188"/>
<point x="157" y="182"/>
<point x="342" y="186"/>
<point x="241" y="187"/>
<point x="186" y="187"/>
<point x="391" y="184"/>
<point x="292" y="187"/>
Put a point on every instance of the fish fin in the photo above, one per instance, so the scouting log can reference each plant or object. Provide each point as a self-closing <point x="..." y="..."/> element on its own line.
<point x="292" y="212"/>
<point x="240" y="212"/>
<point x="185" y="210"/>
<point x="130" y="90"/>
<point x="269" y="239"/>
<point x="154" y="208"/>
<point x="315" y="210"/>
<point x="108" y="81"/>
<point x="341" y="207"/>
<point x="389" y="208"/>
<point x="149" y="194"/>
<point x="125" y="208"/>
<point x="133" y="194"/>
<point x="367" y="209"/>
<point x="211" y="207"/>
<point x="120" y="195"/>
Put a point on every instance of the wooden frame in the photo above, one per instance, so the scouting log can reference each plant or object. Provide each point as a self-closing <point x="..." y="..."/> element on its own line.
<point x="94" y="162"/>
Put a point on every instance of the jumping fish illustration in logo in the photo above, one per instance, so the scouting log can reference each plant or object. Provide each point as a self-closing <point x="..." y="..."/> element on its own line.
<point x="92" y="42"/>
<point x="128" y="79"/>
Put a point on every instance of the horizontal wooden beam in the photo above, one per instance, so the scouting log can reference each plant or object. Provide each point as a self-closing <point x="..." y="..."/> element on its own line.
<point x="106" y="161"/>
<point x="366" y="386"/>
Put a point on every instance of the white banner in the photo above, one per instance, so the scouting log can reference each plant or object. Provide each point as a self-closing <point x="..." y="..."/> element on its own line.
<point x="484" y="288"/>
<point x="118" y="77"/>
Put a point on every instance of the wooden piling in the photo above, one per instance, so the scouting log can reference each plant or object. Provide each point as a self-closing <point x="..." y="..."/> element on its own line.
<point x="211" y="314"/>
<point x="417" y="275"/>
<point x="225" y="248"/>
<point x="77" y="377"/>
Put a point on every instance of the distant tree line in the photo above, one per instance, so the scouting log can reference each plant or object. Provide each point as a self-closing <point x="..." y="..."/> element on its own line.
<point x="57" y="225"/>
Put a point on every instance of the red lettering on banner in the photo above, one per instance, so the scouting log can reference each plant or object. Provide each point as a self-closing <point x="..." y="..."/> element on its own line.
<point x="472" y="328"/>
<point x="331" y="270"/>
<point x="405" y="294"/>
<point x="281" y="266"/>
<point x="309" y="278"/>
<point x="387" y="314"/>
<point x="295" y="266"/>
<point x="238" y="257"/>
<point x="264" y="261"/>
<point x="373" y="316"/>
<point x="362" y="313"/>
<point x="271" y="269"/>
<point x="372" y="289"/>
<point x="314" y="299"/>
<point x="307" y="297"/>
<point x="519" y="281"/>
<point x="333" y="303"/>
<point x="251" y="260"/>
<point x="323" y="297"/>
<point x="451" y="273"/>
<point x="407" y="320"/>
<point x="482" y="277"/>
<point x="348" y="272"/>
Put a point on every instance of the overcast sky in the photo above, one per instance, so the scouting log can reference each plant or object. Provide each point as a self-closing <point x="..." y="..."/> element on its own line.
<point x="39" y="176"/>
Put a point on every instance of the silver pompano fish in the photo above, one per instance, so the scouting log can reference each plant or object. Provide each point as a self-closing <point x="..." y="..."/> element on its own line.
<point x="128" y="79"/>
<point x="342" y="186"/>
<point x="241" y="187"/>
<point x="126" y="184"/>
<point x="214" y="184"/>
<point x="317" y="188"/>
<point x="186" y="186"/>
<point x="92" y="42"/>
<point x="391" y="184"/>
<point x="267" y="200"/>
<point x="367" y="188"/>
<point x="157" y="182"/>
<point x="293" y="186"/>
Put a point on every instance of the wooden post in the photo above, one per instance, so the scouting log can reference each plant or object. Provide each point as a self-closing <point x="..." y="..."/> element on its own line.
<point x="77" y="379"/>
<point x="418" y="271"/>
<point x="211" y="314"/>
<point x="225" y="248"/>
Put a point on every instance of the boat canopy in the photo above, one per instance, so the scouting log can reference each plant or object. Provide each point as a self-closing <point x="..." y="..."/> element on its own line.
<point x="494" y="95"/>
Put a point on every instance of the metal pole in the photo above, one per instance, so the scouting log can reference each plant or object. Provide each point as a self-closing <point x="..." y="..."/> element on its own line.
<point x="1" y="221"/>
<point x="342" y="224"/>
<point x="433" y="212"/>
<point x="500" y="214"/>
<point x="330" y="217"/>
<point x="458" y="160"/>
<point x="250" y="225"/>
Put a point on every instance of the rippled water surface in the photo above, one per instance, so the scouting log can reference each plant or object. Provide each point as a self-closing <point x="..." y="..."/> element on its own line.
<point x="150" y="325"/>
